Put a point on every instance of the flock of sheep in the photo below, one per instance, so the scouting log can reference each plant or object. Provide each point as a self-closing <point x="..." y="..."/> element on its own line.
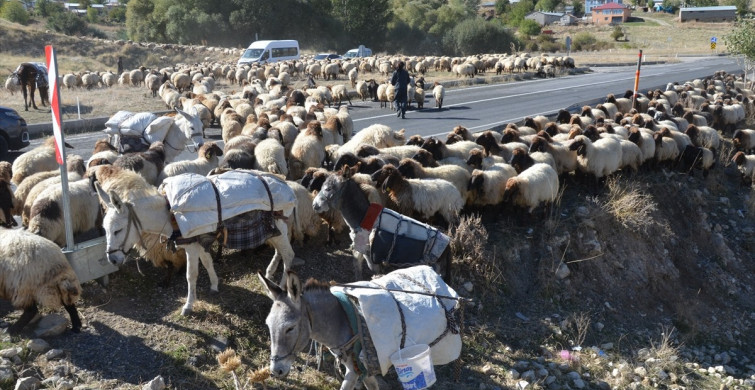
<point x="271" y="126"/>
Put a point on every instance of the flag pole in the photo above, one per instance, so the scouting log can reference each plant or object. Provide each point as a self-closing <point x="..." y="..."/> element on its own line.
<point x="60" y="143"/>
<point x="637" y="79"/>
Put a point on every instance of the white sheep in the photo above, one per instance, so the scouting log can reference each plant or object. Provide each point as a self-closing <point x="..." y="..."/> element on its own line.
<point x="744" y="139"/>
<point x="46" y="215"/>
<point x="377" y="135"/>
<point x="486" y="187"/>
<point x="137" y="77"/>
<point x="704" y="136"/>
<point x="600" y="158"/>
<point x="441" y="151"/>
<point x="535" y="185"/>
<point x="39" y="159"/>
<point x="631" y="155"/>
<point x="439" y="92"/>
<point x="565" y="159"/>
<point x="207" y="160"/>
<point x="109" y="79"/>
<point x="69" y="80"/>
<point x="270" y="156"/>
<point x="153" y="83"/>
<point x="304" y="222"/>
<point x="340" y="93"/>
<point x="34" y="272"/>
<point x="453" y="174"/>
<point x="307" y="151"/>
<point x="25" y="188"/>
<point x="421" y="197"/>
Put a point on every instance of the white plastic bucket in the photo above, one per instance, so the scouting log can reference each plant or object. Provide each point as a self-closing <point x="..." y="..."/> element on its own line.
<point x="414" y="367"/>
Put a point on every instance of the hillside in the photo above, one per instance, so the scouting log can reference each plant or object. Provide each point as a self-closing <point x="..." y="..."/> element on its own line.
<point x="645" y="282"/>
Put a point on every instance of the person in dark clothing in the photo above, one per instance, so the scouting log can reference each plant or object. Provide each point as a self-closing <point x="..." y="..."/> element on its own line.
<point x="400" y="80"/>
<point x="120" y="65"/>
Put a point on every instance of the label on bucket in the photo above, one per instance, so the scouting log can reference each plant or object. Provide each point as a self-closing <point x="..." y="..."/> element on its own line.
<point x="405" y="377"/>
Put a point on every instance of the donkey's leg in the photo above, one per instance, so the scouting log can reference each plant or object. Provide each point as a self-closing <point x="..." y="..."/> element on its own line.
<point x="350" y="379"/>
<point x="192" y="271"/>
<point x="371" y="383"/>
<point x="283" y="251"/>
<point x="33" y="90"/>
<point x="208" y="264"/>
<point x="26" y="103"/>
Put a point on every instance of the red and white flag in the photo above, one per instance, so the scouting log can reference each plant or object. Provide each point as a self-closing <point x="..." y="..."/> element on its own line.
<point x="54" y="91"/>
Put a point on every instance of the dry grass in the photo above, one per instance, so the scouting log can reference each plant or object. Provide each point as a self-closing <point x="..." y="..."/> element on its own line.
<point x="473" y="261"/>
<point x="631" y="207"/>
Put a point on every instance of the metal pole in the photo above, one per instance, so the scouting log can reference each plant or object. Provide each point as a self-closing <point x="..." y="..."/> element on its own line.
<point x="78" y="106"/>
<point x="57" y="125"/>
<point x="637" y="79"/>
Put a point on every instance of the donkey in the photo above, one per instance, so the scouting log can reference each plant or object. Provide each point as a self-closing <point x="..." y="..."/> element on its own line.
<point x="298" y="315"/>
<point x="32" y="77"/>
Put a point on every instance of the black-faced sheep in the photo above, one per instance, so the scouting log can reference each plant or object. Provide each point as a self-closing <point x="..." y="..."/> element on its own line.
<point x="704" y="136"/>
<point x="488" y="142"/>
<point x="377" y="135"/>
<point x="478" y="160"/>
<point x="441" y="151"/>
<point x="207" y="160"/>
<point x="148" y="164"/>
<point x="746" y="166"/>
<point x="535" y="185"/>
<point x="565" y="159"/>
<point x="423" y="198"/>
<point x="521" y="160"/>
<point x="33" y="271"/>
<point x="744" y="140"/>
<point x="486" y="187"/>
<point x="367" y="165"/>
<point x="600" y="158"/>
<point x="696" y="157"/>
<point x="239" y="153"/>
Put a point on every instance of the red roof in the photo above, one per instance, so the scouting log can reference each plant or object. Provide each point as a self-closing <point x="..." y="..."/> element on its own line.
<point x="610" y="6"/>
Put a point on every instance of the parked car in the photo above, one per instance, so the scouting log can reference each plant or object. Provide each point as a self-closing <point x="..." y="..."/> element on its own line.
<point x="327" y="56"/>
<point x="13" y="132"/>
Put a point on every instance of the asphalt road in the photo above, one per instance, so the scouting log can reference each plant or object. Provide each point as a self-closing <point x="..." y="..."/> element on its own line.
<point x="487" y="106"/>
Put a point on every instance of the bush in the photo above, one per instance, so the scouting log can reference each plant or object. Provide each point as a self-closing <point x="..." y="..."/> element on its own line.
<point x="92" y="15"/>
<point x="117" y="15"/>
<point x="617" y="33"/>
<point x="15" y="12"/>
<point x="586" y="41"/>
<point x="67" y="23"/>
<point x="529" y="28"/>
<point x="474" y="36"/>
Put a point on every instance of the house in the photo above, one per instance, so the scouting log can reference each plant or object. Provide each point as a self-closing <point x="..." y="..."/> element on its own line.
<point x="724" y="13"/>
<point x="610" y="13"/>
<point x="568" y="20"/>
<point x="590" y="4"/>
<point x="544" y="18"/>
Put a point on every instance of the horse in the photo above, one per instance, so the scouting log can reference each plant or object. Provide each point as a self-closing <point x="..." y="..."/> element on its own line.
<point x="341" y="192"/>
<point x="32" y="77"/>
<point x="134" y="207"/>
<point x="312" y="313"/>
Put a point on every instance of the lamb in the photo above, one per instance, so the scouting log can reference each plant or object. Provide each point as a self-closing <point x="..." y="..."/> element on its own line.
<point x="535" y="185"/>
<point x="46" y="216"/>
<point x="39" y="159"/>
<point x="600" y="158"/>
<point x="746" y="166"/>
<point x="421" y="197"/>
<point x="207" y="160"/>
<point x="744" y="140"/>
<point x="439" y="92"/>
<point x="441" y="151"/>
<point x="696" y="157"/>
<point x="148" y="164"/>
<point x="704" y="136"/>
<point x="307" y="151"/>
<point x="453" y="174"/>
<point x="34" y="272"/>
<point x="486" y="187"/>
<point x="270" y="156"/>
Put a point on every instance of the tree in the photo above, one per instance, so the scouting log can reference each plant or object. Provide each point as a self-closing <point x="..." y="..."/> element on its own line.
<point x="579" y="7"/>
<point x="117" y="14"/>
<point x="15" y="12"/>
<point x="547" y="5"/>
<point x="92" y="15"/>
<point x="518" y="12"/>
<point x="502" y="6"/>
<point x="617" y="33"/>
<point x="67" y="23"/>
<point x="743" y="6"/>
<point x="741" y="42"/>
<point x="362" y="21"/>
<point x="474" y="36"/>
<point x="529" y="28"/>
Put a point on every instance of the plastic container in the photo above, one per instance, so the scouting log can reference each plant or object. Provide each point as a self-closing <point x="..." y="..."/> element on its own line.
<point x="414" y="367"/>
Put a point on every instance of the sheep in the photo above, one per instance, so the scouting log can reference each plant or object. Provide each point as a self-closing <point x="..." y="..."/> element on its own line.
<point x="46" y="216"/>
<point x="744" y="140"/>
<point x="332" y="132"/>
<point x="623" y="104"/>
<point x="340" y="93"/>
<point x="439" y="92"/>
<point x="367" y="165"/>
<point x="307" y="151"/>
<point x="643" y="138"/>
<point x="440" y="150"/>
<point x="521" y="160"/>
<point x="153" y="83"/>
<point x="169" y="95"/>
<point x="304" y="222"/>
<point x="377" y="135"/>
<point x="109" y="79"/>
<point x="453" y="174"/>
<point x="600" y="158"/>
<point x="564" y="158"/>
<point x="421" y="197"/>
<point x="137" y="77"/>
<point x="73" y="164"/>
<point x="478" y="160"/>
<point x="696" y="157"/>
<point x="746" y="166"/>
<point x="207" y="160"/>
<point x="665" y="148"/>
<point x="33" y="271"/>
<point x="347" y="123"/>
<point x="631" y="155"/>
<point x="73" y="174"/>
<point x="681" y="139"/>
<point x="486" y="187"/>
<point x="148" y="164"/>
<point x="535" y="185"/>
<point x="69" y="80"/>
<point x="231" y="124"/>
<point x="725" y="118"/>
<point x="704" y="136"/>
<point x="39" y="159"/>
<point x="270" y="156"/>
<point x="313" y="179"/>
<point x="491" y="147"/>
<point x="239" y="153"/>
<point x="7" y="200"/>
<point x="362" y="89"/>
<point x="181" y="80"/>
<point x="90" y="80"/>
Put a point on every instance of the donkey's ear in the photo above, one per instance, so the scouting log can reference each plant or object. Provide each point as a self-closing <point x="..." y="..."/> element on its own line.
<point x="272" y="289"/>
<point x="293" y="286"/>
<point x="104" y="197"/>
<point x="117" y="202"/>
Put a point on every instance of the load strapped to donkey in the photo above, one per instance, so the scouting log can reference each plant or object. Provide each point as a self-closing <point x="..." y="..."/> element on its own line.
<point x="135" y="132"/>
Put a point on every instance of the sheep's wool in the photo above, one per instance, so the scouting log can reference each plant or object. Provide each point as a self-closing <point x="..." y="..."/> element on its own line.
<point x="193" y="201"/>
<point x="424" y="315"/>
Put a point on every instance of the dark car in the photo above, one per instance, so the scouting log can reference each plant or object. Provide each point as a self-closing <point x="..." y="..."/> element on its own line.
<point x="13" y="132"/>
<point x="326" y="56"/>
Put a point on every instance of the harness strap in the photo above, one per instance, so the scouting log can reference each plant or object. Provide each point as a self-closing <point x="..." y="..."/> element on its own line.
<point x="356" y="328"/>
<point x="369" y="218"/>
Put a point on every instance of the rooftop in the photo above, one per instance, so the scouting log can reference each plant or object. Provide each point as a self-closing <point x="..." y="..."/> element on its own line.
<point x="610" y="6"/>
<point x="717" y="8"/>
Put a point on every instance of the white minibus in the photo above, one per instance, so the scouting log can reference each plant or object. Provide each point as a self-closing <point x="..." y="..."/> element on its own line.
<point x="264" y="52"/>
